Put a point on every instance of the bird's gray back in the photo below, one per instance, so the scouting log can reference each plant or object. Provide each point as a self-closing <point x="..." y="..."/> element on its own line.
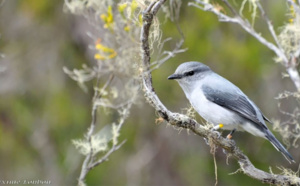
<point x="224" y="93"/>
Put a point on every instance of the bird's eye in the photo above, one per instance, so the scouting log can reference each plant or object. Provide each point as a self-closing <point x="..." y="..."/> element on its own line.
<point x="190" y="73"/>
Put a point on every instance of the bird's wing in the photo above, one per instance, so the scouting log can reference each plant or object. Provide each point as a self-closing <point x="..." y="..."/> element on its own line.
<point x="263" y="116"/>
<point x="266" y="119"/>
<point x="233" y="101"/>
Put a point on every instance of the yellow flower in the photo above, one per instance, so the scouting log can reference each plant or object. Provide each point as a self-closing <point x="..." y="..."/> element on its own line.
<point x="292" y="10"/>
<point x="99" y="57"/>
<point x="140" y="20"/>
<point x="108" y="18"/>
<point x="133" y="7"/>
<point x="99" y="46"/>
<point x="121" y="7"/>
<point x="104" y="52"/>
<point x="103" y="17"/>
<point x="114" y="54"/>
<point x="126" y="28"/>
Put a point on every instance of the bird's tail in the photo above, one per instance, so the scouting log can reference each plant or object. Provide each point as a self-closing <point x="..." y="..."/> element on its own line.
<point x="279" y="146"/>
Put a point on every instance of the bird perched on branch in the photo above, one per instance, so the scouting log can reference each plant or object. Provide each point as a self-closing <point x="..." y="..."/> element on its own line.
<point x="222" y="103"/>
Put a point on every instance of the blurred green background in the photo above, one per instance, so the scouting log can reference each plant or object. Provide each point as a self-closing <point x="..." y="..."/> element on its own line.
<point x="42" y="109"/>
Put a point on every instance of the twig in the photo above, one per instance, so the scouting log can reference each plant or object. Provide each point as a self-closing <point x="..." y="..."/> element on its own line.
<point x="97" y="95"/>
<point x="270" y="26"/>
<point x="115" y="146"/>
<point x="177" y="49"/>
<point x="169" y="54"/>
<point x="246" y="26"/>
<point x="183" y="121"/>
<point x="231" y="8"/>
<point x="209" y="7"/>
<point x="85" y="165"/>
<point x="289" y="65"/>
<point x="105" y="157"/>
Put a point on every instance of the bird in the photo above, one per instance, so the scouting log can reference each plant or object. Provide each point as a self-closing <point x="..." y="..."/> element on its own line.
<point x="222" y="103"/>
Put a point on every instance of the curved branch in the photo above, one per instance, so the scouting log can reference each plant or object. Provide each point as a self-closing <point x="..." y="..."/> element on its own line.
<point x="183" y="121"/>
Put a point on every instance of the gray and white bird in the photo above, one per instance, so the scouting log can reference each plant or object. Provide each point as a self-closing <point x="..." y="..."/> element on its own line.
<point x="223" y="104"/>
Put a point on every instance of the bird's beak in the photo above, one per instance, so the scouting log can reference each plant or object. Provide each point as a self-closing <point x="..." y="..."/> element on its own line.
<point x="175" y="76"/>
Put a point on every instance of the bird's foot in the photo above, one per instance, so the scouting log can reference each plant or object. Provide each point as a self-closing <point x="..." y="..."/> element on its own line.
<point x="229" y="136"/>
<point x="217" y="127"/>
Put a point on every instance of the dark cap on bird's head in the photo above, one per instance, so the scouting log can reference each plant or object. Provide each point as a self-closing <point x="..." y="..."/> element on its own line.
<point x="189" y="69"/>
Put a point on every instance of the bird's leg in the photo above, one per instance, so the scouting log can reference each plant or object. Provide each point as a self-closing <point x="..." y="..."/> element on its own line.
<point x="215" y="128"/>
<point x="218" y="126"/>
<point x="229" y="136"/>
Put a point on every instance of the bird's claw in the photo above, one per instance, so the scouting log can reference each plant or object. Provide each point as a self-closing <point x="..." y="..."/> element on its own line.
<point x="229" y="136"/>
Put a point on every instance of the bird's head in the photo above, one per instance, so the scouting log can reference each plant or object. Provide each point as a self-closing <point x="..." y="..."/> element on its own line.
<point x="190" y="72"/>
<point x="189" y="75"/>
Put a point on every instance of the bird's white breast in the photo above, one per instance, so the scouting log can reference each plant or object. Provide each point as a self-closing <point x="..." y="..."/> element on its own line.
<point x="212" y="112"/>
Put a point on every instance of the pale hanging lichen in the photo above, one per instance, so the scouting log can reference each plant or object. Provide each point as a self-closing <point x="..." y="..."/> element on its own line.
<point x="289" y="129"/>
<point x="190" y="112"/>
<point x="252" y="9"/>
<point x="290" y="173"/>
<point x="115" y="133"/>
<point x="80" y="6"/>
<point x="289" y="38"/>
<point x="97" y="144"/>
<point x="81" y="76"/>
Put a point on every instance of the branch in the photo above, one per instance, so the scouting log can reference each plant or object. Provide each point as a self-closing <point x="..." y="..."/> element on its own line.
<point x="90" y="160"/>
<point x="244" y="24"/>
<point x="88" y="165"/>
<point x="97" y="95"/>
<point x="183" y="121"/>
<point x="270" y="26"/>
<point x="105" y="157"/>
<point x="169" y="54"/>
<point x="290" y="66"/>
